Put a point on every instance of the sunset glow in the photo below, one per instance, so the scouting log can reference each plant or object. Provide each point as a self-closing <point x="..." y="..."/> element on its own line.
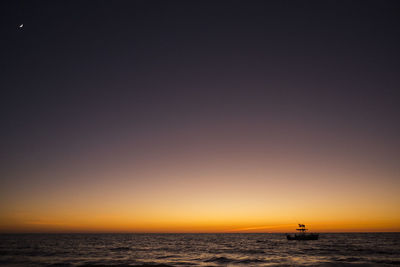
<point x="219" y="194"/>
<point x="192" y="117"/>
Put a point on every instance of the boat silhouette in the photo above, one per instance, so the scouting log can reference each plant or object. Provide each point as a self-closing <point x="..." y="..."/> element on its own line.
<point x="302" y="235"/>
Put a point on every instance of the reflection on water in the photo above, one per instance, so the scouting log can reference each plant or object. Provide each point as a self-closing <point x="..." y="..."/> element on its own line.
<point x="372" y="249"/>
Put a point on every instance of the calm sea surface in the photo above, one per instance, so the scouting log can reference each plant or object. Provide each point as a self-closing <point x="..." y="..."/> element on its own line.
<point x="355" y="249"/>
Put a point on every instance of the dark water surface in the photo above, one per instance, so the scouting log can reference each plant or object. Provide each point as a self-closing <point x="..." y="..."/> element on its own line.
<point x="353" y="249"/>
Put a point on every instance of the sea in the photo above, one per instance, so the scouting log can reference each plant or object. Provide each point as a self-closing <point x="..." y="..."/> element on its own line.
<point x="338" y="249"/>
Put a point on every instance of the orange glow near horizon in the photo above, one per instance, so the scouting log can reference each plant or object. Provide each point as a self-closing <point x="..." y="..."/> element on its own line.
<point x="245" y="198"/>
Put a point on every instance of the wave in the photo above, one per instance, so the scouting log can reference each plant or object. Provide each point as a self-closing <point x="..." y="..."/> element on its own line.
<point x="391" y="262"/>
<point x="125" y="265"/>
<point x="252" y="251"/>
<point x="120" y="249"/>
<point x="219" y="260"/>
<point x="166" y="257"/>
<point x="249" y="261"/>
<point x="225" y="260"/>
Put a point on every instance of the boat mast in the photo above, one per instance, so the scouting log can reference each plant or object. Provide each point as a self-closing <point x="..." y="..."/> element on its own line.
<point x="302" y="228"/>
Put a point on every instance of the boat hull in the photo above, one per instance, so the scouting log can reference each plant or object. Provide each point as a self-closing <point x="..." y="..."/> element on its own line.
<point x="303" y="237"/>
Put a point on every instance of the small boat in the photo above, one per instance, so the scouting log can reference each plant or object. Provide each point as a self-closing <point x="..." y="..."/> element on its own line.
<point x="302" y="235"/>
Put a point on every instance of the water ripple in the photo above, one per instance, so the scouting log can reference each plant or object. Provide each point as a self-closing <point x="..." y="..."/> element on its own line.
<point x="75" y="250"/>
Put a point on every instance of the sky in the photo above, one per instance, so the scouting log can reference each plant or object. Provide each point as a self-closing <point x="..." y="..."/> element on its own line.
<point x="199" y="116"/>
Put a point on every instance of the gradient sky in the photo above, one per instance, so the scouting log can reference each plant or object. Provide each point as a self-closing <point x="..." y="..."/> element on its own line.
<point x="199" y="116"/>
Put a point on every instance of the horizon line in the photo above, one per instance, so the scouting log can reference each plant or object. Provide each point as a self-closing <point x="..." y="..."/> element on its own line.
<point x="87" y="232"/>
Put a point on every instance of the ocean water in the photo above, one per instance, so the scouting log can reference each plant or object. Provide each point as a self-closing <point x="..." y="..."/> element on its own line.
<point x="350" y="249"/>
